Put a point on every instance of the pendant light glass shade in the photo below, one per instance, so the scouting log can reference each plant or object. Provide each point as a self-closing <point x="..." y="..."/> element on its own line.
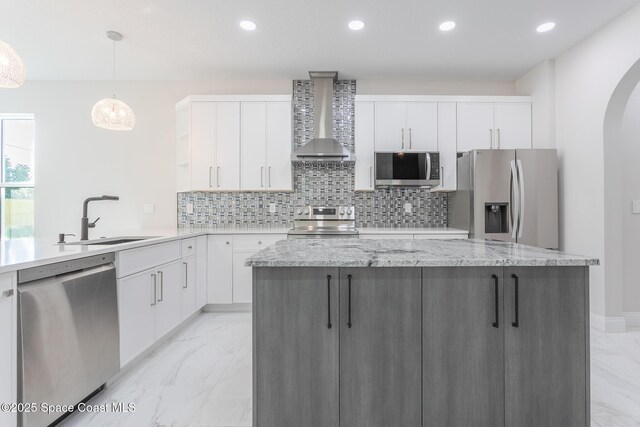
<point x="11" y="67"/>
<point x="113" y="114"/>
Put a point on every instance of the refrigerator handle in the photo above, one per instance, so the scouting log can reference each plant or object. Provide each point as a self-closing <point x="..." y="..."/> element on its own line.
<point x="521" y="196"/>
<point x="515" y="203"/>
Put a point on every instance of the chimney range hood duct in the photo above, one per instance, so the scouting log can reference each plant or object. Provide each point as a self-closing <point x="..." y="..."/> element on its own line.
<point x="323" y="146"/>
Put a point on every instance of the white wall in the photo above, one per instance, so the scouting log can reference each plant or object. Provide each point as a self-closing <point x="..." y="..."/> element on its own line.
<point x="429" y="87"/>
<point x="539" y="83"/>
<point x="75" y="159"/>
<point x="630" y="190"/>
<point x="586" y="77"/>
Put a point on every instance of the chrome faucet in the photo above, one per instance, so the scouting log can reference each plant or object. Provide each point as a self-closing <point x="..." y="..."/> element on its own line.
<point x="85" y="224"/>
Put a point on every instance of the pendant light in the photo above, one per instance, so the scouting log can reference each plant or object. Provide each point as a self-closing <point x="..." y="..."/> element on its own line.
<point x="11" y="67"/>
<point x="111" y="113"/>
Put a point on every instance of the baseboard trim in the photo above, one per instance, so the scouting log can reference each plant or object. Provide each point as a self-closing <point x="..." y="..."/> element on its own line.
<point x="632" y="318"/>
<point x="227" y="308"/>
<point x="608" y="324"/>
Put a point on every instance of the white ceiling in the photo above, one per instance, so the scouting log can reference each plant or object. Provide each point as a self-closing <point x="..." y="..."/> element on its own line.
<point x="201" y="39"/>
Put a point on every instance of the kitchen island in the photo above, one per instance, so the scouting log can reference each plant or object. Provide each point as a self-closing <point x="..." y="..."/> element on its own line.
<point x="419" y="333"/>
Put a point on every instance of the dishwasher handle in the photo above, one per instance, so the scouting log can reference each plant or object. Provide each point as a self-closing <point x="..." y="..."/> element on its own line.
<point x="77" y="275"/>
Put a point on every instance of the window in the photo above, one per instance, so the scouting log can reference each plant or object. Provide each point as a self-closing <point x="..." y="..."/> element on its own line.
<point x="17" y="134"/>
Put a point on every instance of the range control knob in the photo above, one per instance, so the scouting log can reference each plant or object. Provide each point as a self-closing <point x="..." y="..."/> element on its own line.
<point x="306" y="211"/>
<point x="349" y="211"/>
<point x="341" y="211"/>
<point x="299" y="212"/>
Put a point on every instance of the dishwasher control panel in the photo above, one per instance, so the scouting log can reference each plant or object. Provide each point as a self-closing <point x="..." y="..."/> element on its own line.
<point x="64" y="267"/>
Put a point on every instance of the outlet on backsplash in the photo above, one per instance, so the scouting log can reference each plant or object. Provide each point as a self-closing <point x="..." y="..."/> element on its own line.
<point x="407" y="208"/>
<point x="189" y="208"/>
<point x="272" y="208"/>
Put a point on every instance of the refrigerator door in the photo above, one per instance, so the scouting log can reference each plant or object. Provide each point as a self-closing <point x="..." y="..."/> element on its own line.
<point x="538" y="192"/>
<point x="493" y="210"/>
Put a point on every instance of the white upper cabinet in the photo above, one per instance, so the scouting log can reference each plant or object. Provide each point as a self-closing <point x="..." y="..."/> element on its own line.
<point x="364" y="142"/>
<point x="279" y="142"/>
<point x="421" y="121"/>
<point x="406" y="126"/>
<point x="488" y="125"/>
<point x="229" y="143"/>
<point x="513" y="125"/>
<point x="447" y="136"/>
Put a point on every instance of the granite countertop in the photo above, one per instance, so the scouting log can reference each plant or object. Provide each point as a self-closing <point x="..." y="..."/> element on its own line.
<point x="411" y="230"/>
<point x="409" y="253"/>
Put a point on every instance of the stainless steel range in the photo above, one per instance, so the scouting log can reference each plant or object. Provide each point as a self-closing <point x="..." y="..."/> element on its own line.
<point x="322" y="222"/>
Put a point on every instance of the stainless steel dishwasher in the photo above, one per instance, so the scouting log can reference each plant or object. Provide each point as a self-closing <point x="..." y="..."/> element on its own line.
<point x="68" y="336"/>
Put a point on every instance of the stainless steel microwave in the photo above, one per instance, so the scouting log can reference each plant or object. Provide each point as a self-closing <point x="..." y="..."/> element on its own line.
<point x="407" y="169"/>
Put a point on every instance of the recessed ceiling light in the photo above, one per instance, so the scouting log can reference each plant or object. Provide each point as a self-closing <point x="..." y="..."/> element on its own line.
<point x="447" y="26"/>
<point x="548" y="26"/>
<point x="356" y="25"/>
<point x="248" y="25"/>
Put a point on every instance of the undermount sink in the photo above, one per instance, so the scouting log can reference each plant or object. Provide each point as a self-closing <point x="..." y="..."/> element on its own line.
<point x="110" y="241"/>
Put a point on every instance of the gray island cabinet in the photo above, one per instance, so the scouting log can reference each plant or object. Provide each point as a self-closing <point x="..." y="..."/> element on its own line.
<point x="370" y="333"/>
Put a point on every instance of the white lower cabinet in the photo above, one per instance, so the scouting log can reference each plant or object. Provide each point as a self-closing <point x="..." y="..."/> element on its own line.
<point x="189" y="286"/>
<point x="201" y="272"/>
<point x="8" y="373"/>
<point x="220" y="269"/>
<point x="149" y="306"/>
<point x="242" y="277"/>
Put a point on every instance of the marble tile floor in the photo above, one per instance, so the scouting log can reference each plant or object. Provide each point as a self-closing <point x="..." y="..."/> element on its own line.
<point x="202" y="378"/>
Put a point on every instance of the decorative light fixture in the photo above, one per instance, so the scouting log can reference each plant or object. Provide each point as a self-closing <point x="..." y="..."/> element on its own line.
<point x="548" y="26"/>
<point x="447" y="26"/>
<point x="11" y="67"/>
<point x="111" y="113"/>
<point x="248" y="25"/>
<point x="356" y="25"/>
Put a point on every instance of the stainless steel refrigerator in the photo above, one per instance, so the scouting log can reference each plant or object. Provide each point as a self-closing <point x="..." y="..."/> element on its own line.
<point x="508" y="195"/>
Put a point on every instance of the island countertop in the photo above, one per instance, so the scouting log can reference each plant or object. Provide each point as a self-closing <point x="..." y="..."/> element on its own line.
<point x="409" y="253"/>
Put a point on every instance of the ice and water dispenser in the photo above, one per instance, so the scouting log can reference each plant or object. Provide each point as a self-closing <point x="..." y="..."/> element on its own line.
<point x="496" y="218"/>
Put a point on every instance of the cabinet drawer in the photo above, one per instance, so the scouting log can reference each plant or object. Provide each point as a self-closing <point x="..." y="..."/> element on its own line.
<point x="139" y="259"/>
<point x="255" y="241"/>
<point x="188" y="247"/>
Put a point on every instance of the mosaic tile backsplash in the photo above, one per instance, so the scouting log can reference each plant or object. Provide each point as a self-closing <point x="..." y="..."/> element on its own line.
<point x="317" y="183"/>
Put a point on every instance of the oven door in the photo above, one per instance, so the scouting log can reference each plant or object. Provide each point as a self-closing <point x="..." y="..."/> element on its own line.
<point x="407" y="169"/>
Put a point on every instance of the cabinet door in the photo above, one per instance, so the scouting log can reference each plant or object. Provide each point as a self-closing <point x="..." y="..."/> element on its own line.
<point x="389" y="127"/>
<point x="169" y="308"/>
<point x="447" y="146"/>
<point x="365" y="148"/>
<point x="202" y="145"/>
<point x="227" y="131"/>
<point x="547" y="353"/>
<point x="463" y="349"/>
<point x="421" y="124"/>
<point x="241" y="277"/>
<point x="475" y="126"/>
<point x="254" y="145"/>
<point x="380" y="352"/>
<point x="279" y="175"/>
<point x="137" y="299"/>
<point x="7" y="349"/>
<point x="513" y="125"/>
<point x="201" y="272"/>
<point x="189" y="283"/>
<point x="220" y="269"/>
<point x="296" y="348"/>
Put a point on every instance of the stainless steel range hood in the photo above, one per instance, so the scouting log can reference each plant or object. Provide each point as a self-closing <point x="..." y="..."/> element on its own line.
<point x="323" y="146"/>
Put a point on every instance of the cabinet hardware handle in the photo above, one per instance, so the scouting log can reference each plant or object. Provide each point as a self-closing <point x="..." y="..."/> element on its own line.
<point x="190" y="247"/>
<point x="329" y="302"/>
<point x="259" y="242"/>
<point x="161" y="274"/>
<point x="269" y="177"/>
<point x="186" y="276"/>
<point x="227" y="243"/>
<point x="218" y="176"/>
<point x="496" y="324"/>
<point x="370" y="176"/>
<point x="516" y="324"/>
<point x="491" y="139"/>
<point x="410" y="138"/>
<point x="349" y="324"/>
<point x="498" y="141"/>
<point x="403" y="138"/>
<point x="210" y="172"/>
<point x="262" y="176"/>
<point x="154" y="300"/>
<point x="8" y="294"/>
<point x="442" y="176"/>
